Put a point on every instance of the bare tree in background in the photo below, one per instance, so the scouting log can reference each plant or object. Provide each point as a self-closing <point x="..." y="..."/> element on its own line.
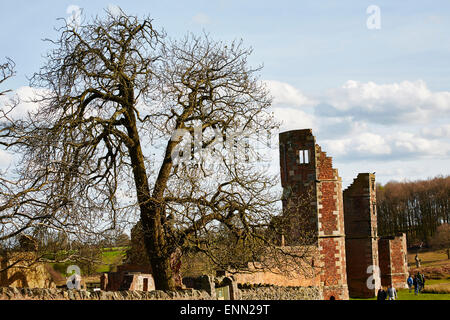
<point x="441" y="238"/>
<point x="114" y="89"/>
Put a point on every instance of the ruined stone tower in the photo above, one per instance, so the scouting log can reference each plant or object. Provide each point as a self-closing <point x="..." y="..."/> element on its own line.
<point x="305" y="168"/>
<point x="361" y="241"/>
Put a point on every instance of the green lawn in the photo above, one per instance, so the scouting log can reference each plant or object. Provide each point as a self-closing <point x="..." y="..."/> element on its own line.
<point x="437" y="281"/>
<point x="111" y="257"/>
<point x="405" y="295"/>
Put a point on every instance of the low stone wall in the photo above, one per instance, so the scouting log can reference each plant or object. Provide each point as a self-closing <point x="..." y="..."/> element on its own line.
<point x="10" y="293"/>
<point x="282" y="293"/>
<point x="258" y="293"/>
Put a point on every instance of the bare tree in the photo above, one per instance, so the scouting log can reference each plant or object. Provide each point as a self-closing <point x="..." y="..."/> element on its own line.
<point x="29" y="224"/>
<point x="114" y="89"/>
<point x="414" y="207"/>
<point x="6" y="72"/>
<point x="441" y="239"/>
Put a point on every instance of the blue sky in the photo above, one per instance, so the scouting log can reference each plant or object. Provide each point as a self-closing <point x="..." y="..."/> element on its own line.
<point x="377" y="99"/>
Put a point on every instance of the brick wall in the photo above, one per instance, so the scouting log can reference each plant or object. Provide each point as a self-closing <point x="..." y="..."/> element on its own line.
<point x="305" y="167"/>
<point x="393" y="260"/>
<point x="361" y="237"/>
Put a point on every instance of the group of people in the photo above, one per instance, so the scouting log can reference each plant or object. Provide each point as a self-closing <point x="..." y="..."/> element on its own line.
<point x="390" y="293"/>
<point x="418" y="282"/>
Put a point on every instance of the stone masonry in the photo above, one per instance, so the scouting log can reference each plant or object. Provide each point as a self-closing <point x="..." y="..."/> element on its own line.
<point x="361" y="241"/>
<point x="305" y="168"/>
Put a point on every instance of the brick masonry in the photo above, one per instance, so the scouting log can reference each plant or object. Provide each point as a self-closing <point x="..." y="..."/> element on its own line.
<point x="306" y="168"/>
<point x="361" y="241"/>
<point x="352" y="258"/>
<point x="128" y="277"/>
<point x="393" y="260"/>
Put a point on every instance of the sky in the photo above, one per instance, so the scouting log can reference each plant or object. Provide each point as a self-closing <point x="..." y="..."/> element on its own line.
<point x="371" y="78"/>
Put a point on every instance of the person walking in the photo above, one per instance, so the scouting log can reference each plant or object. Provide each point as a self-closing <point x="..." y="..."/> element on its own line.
<point x="423" y="282"/>
<point x="391" y="292"/>
<point x="381" y="295"/>
<point x="416" y="285"/>
<point x="410" y="283"/>
<point x="419" y="281"/>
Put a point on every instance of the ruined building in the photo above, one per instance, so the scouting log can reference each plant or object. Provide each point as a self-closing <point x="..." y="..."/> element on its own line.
<point x="352" y="259"/>
<point x="393" y="260"/>
<point x="305" y="168"/>
<point x="361" y="240"/>
<point x="336" y="229"/>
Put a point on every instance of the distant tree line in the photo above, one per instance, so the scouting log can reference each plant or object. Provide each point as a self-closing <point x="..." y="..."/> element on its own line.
<point x="417" y="208"/>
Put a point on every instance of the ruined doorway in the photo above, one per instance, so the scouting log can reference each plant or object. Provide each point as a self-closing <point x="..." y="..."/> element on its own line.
<point x="145" y="284"/>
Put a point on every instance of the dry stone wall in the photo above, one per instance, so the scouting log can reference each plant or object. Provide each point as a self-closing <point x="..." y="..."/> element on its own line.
<point x="11" y="293"/>
<point x="282" y="293"/>
<point x="259" y="293"/>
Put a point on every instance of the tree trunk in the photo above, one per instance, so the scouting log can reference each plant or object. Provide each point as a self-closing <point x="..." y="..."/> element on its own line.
<point x="151" y="213"/>
<point x="157" y="252"/>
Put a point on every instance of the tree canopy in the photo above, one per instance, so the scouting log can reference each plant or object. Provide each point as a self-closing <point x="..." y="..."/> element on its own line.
<point x="113" y="91"/>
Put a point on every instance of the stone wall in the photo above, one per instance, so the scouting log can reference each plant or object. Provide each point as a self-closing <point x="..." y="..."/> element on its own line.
<point x="10" y="293"/>
<point x="282" y="293"/>
<point x="260" y="293"/>
<point x="298" y="268"/>
<point x="22" y="274"/>
<point x="271" y="278"/>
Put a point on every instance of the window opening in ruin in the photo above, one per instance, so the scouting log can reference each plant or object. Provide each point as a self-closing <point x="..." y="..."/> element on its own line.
<point x="304" y="156"/>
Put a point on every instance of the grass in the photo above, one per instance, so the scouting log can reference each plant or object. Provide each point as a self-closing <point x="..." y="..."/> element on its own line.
<point x="111" y="257"/>
<point x="438" y="288"/>
<point x="405" y="295"/>
<point x="437" y="281"/>
<point x="428" y="258"/>
<point x="435" y="266"/>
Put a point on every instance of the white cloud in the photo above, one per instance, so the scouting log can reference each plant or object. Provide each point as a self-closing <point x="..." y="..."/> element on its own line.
<point x="285" y="94"/>
<point x="406" y="142"/>
<point x="5" y="159"/>
<point x="437" y="132"/>
<point x="25" y="95"/>
<point x="406" y="101"/>
<point x="294" y="119"/>
<point x="114" y="9"/>
<point x="368" y="144"/>
<point x="346" y="120"/>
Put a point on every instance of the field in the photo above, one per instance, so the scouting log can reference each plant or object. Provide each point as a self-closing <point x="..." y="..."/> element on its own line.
<point x="436" y="267"/>
<point x="110" y="258"/>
